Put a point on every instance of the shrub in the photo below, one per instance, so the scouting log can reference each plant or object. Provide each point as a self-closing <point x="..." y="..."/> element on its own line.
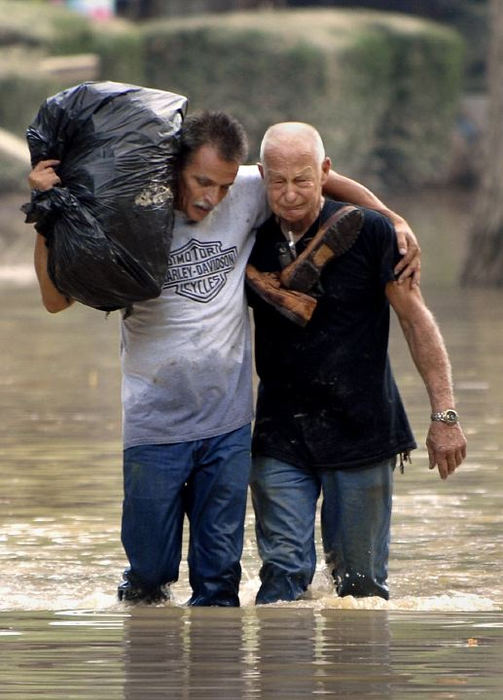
<point x="381" y="88"/>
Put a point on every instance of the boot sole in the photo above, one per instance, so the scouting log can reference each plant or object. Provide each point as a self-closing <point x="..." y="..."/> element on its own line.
<point x="304" y="272"/>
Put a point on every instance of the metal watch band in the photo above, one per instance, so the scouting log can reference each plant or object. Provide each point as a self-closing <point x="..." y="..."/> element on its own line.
<point x="448" y="416"/>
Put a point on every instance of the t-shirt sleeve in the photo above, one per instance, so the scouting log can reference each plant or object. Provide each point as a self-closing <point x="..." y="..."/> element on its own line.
<point x="250" y="183"/>
<point x="383" y="244"/>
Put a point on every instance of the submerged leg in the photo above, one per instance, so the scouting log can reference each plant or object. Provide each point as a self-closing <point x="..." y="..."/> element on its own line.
<point x="284" y="499"/>
<point x="355" y="524"/>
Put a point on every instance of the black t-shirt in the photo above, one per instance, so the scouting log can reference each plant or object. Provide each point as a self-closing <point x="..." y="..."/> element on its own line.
<point x="327" y="397"/>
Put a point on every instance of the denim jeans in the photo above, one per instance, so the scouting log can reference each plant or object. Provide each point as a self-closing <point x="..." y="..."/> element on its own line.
<point x="355" y="527"/>
<point x="206" y="480"/>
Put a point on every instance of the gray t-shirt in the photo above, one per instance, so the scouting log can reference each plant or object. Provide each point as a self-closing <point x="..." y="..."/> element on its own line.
<point x="186" y="355"/>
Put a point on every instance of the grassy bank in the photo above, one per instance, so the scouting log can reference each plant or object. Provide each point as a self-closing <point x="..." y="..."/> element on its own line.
<point x="383" y="89"/>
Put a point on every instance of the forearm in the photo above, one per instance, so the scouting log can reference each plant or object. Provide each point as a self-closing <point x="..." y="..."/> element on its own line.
<point x="446" y="443"/>
<point x="52" y="298"/>
<point x="347" y="190"/>
<point x="429" y="354"/>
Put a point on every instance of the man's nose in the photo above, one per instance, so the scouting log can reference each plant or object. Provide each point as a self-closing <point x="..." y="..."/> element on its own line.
<point x="290" y="192"/>
<point x="214" y="195"/>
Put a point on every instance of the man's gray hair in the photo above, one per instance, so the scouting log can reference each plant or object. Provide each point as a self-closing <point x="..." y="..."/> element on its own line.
<point x="282" y="129"/>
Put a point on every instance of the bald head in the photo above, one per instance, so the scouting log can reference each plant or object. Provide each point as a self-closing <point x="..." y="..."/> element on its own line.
<point x="296" y="136"/>
<point x="295" y="168"/>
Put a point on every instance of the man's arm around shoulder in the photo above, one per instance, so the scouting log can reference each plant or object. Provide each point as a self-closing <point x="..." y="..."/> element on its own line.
<point x="446" y="443"/>
<point x="345" y="189"/>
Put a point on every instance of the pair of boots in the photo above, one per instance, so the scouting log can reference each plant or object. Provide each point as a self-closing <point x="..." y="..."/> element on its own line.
<point x="288" y="290"/>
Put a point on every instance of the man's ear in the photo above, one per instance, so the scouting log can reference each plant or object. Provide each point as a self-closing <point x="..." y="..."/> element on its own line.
<point x="261" y="170"/>
<point x="325" y="169"/>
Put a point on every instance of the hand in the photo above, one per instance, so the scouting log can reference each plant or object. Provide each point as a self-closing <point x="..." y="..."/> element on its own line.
<point x="43" y="176"/>
<point x="446" y="447"/>
<point x="410" y="265"/>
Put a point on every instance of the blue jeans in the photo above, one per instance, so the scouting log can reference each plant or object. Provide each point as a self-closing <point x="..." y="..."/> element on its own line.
<point x="355" y="527"/>
<point x="205" y="479"/>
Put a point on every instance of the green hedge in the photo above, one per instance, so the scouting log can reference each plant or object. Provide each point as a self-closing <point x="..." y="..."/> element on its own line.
<point x="381" y="88"/>
<point x="30" y="31"/>
<point x="13" y="175"/>
<point x="121" y="51"/>
<point x="21" y="96"/>
<point x="39" y="24"/>
<point x="419" y="73"/>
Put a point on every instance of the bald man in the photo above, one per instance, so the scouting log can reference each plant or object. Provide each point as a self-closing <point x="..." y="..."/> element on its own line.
<point x="329" y="415"/>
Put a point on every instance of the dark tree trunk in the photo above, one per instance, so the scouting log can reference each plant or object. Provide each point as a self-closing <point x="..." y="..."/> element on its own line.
<point x="484" y="261"/>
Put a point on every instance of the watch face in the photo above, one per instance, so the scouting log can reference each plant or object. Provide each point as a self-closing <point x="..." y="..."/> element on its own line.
<point x="451" y="416"/>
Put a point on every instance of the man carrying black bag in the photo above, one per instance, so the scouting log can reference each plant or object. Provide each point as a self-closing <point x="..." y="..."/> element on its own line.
<point x="186" y="360"/>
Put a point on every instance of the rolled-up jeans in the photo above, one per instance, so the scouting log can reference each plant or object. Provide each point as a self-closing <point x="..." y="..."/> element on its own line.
<point x="355" y="527"/>
<point x="205" y="479"/>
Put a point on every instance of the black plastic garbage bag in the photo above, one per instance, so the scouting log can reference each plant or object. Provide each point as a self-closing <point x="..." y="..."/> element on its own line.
<point x="108" y="227"/>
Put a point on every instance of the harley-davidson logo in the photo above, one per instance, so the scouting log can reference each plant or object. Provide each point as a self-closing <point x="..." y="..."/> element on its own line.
<point x="199" y="270"/>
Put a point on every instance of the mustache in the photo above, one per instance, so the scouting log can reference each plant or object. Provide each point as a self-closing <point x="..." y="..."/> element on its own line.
<point x="203" y="205"/>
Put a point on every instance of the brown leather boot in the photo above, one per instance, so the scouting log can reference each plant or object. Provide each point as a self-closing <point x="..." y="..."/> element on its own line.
<point x="296" y="306"/>
<point x="336" y="235"/>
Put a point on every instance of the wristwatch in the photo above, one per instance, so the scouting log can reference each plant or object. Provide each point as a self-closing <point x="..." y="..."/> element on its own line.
<point x="450" y="416"/>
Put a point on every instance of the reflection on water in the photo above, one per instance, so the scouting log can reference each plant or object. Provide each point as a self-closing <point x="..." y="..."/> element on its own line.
<point x="176" y="653"/>
<point x="60" y="496"/>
